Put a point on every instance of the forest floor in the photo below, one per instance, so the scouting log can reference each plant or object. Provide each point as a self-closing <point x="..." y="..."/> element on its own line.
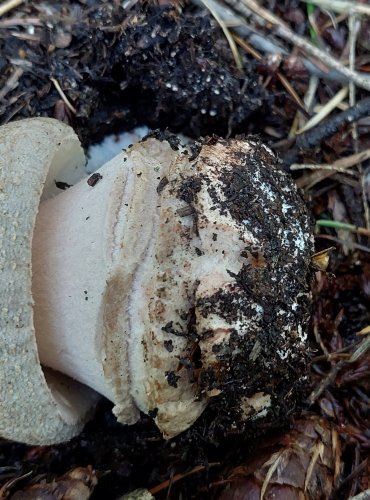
<point x="297" y="73"/>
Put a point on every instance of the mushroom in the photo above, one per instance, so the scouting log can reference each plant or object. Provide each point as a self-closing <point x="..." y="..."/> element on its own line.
<point x="168" y="279"/>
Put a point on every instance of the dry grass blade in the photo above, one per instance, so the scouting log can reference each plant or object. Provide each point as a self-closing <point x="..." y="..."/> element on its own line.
<point x="309" y="97"/>
<point x="350" y="161"/>
<point x="364" y="331"/>
<point x="245" y="46"/>
<point x="350" y="244"/>
<point x="227" y="34"/>
<point x="336" y="454"/>
<point x="288" y="87"/>
<point x="63" y="96"/>
<point x="9" y="5"/>
<point x="325" y="110"/>
<point x="341" y="6"/>
<point x="274" y="461"/>
<point x="361" y="350"/>
<point x="317" y="452"/>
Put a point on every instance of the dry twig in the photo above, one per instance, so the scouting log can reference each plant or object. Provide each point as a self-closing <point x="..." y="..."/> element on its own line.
<point x="313" y="138"/>
<point x="330" y="168"/>
<point x="341" y="6"/>
<point x="266" y="45"/>
<point x="20" y="21"/>
<point x="283" y="31"/>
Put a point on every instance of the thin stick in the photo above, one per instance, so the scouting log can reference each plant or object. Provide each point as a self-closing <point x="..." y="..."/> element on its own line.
<point x="331" y="125"/>
<point x="9" y="5"/>
<point x="331" y="168"/>
<point x="283" y="31"/>
<point x="352" y="39"/>
<point x="20" y="21"/>
<point x="63" y="96"/>
<point x="178" y="477"/>
<point x="325" y="110"/>
<point x="365" y="495"/>
<point x="341" y="6"/>
<point x="350" y="244"/>
<point x="307" y="182"/>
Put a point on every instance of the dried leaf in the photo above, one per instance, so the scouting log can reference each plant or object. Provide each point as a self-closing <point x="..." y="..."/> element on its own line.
<point x="303" y="464"/>
<point x="77" y="484"/>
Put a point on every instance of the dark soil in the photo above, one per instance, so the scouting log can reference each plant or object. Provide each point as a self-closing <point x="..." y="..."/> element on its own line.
<point x="152" y="66"/>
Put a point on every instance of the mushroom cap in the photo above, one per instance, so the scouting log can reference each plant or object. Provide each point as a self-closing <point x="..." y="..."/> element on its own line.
<point x="36" y="406"/>
<point x="221" y="288"/>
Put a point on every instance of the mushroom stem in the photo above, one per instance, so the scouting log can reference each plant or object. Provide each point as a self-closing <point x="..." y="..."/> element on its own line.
<point x="72" y="253"/>
<point x="88" y="247"/>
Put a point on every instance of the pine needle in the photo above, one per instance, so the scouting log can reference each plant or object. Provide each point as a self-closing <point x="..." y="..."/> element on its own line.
<point x="336" y="224"/>
<point x="9" y="5"/>
<point x="232" y="44"/>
